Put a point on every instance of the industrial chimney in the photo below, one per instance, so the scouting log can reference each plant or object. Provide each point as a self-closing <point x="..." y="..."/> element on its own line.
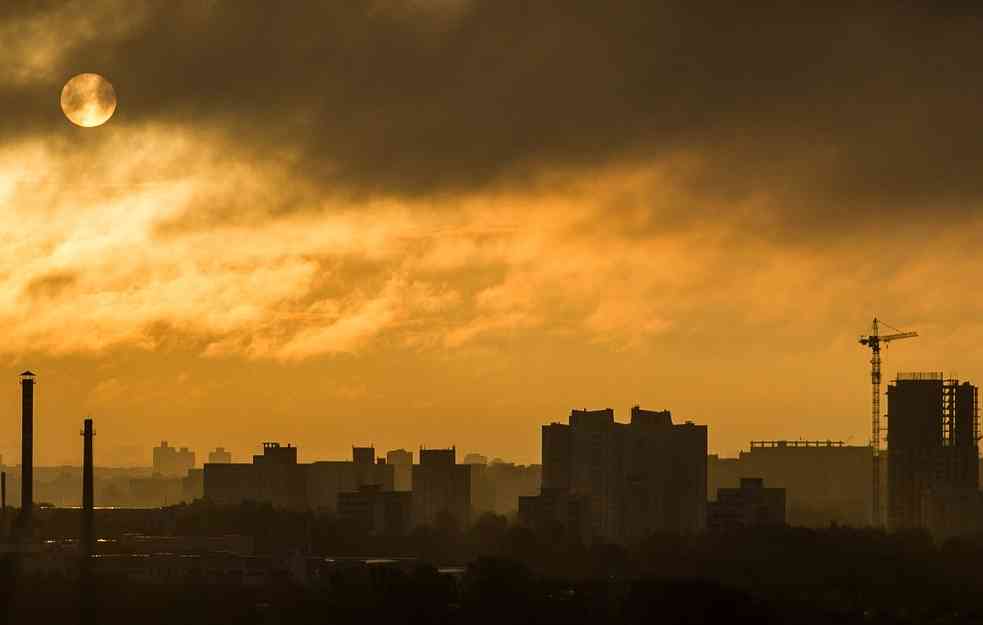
<point x="27" y="381"/>
<point x="88" y="509"/>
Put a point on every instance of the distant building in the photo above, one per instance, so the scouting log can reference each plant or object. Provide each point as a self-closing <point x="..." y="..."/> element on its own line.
<point x="402" y="463"/>
<point x="363" y="455"/>
<point x="193" y="484"/>
<point x="382" y="512"/>
<point x="504" y="483"/>
<point x="826" y="481"/>
<point x="932" y="447"/>
<point x="751" y="505"/>
<point x="220" y="456"/>
<point x="640" y="477"/>
<point x="441" y="487"/>
<point x="482" y="488"/>
<point x="326" y="479"/>
<point x="276" y="477"/>
<point x="171" y="461"/>
<point x="156" y="491"/>
<point x="554" y="507"/>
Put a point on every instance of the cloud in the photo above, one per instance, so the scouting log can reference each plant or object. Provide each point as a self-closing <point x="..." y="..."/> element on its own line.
<point x="189" y="242"/>
<point x="840" y="113"/>
<point x="292" y="182"/>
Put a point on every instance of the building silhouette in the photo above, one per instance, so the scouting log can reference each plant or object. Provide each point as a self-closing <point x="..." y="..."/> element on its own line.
<point x="363" y="455"/>
<point x="220" y="456"/>
<point x="554" y="507"/>
<point x="504" y="483"/>
<point x="441" y="488"/>
<point x="640" y="477"/>
<point x="402" y="462"/>
<point x="276" y="477"/>
<point x="932" y="444"/>
<point x="171" y="461"/>
<point x="826" y="481"/>
<point x="750" y="505"/>
<point x="381" y="512"/>
<point x="193" y="484"/>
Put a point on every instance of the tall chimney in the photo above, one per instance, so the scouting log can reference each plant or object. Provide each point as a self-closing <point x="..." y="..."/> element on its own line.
<point x="88" y="509"/>
<point x="27" y="380"/>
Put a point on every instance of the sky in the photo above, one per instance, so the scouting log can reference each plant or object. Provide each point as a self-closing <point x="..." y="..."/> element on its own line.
<point x="448" y="222"/>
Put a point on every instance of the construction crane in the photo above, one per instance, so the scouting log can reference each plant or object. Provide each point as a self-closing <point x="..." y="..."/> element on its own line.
<point x="873" y="341"/>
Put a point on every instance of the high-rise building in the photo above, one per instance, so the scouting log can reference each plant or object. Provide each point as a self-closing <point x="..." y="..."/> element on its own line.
<point x="639" y="477"/>
<point x="441" y="487"/>
<point x="933" y="427"/>
<point x="220" y="456"/>
<point x="171" y="461"/>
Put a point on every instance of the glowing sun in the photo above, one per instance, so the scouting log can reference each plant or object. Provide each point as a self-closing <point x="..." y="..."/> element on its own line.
<point x="88" y="100"/>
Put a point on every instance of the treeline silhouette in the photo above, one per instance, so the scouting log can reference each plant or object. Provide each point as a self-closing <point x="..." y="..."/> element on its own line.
<point x="515" y="574"/>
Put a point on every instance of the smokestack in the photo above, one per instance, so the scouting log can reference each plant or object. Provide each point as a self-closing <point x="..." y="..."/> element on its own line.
<point x="3" y="493"/>
<point x="88" y="510"/>
<point x="27" y="380"/>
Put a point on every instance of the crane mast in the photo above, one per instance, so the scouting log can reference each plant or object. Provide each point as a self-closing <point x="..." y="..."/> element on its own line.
<point x="873" y="341"/>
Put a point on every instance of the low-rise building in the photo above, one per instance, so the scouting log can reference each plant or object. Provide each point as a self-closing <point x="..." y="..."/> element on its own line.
<point x="388" y="513"/>
<point x="750" y="505"/>
<point x="557" y="507"/>
<point x="276" y="477"/>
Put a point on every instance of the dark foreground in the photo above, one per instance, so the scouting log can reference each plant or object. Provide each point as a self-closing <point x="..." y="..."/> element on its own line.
<point x="489" y="591"/>
<point x="493" y="572"/>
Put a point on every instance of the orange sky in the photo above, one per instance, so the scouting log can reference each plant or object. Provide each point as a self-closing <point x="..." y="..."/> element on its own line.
<point x="327" y="268"/>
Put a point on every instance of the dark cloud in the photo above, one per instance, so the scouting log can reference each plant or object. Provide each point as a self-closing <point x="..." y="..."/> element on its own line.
<point x="828" y="107"/>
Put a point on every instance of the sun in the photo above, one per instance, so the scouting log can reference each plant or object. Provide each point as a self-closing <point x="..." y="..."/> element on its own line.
<point x="88" y="100"/>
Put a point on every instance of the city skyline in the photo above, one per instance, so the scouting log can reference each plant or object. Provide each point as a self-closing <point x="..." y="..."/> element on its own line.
<point x="490" y="312"/>
<point x="123" y="450"/>
<point x="448" y="220"/>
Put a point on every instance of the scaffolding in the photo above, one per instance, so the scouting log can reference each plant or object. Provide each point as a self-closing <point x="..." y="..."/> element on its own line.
<point x="948" y="411"/>
<point x="919" y="376"/>
<point x="767" y="444"/>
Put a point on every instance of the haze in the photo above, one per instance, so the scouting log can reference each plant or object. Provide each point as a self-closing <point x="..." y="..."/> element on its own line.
<point x="406" y="222"/>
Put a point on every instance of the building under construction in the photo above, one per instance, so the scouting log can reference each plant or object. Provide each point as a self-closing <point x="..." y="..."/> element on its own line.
<point x="826" y="481"/>
<point x="933" y="429"/>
